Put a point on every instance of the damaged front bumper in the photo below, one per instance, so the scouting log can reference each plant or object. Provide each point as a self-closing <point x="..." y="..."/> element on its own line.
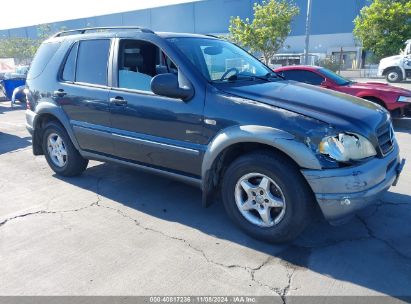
<point x="341" y="192"/>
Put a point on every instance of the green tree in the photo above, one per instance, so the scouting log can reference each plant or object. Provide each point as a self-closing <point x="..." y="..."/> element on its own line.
<point x="44" y="31"/>
<point x="21" y="49"/>
<point x="268" y="30"/>
<point x="24" y="49"/>
<point x="384" y="26"/>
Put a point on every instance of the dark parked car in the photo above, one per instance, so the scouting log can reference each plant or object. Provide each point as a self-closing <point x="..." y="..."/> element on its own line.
<point x="204" y="111"/>
<point x="394" y="99"/>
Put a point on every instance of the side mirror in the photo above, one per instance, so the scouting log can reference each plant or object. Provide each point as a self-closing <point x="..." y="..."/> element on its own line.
<point x="167" y="85"/>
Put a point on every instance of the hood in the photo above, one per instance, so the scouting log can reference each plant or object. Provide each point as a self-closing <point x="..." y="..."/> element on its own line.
<point x="342" y="111"/>
<point x="379" y="86"/>
<point x="391" y="59"/>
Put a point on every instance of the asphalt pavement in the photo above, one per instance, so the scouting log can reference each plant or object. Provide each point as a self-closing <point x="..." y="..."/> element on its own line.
<point x="118" y="231"/>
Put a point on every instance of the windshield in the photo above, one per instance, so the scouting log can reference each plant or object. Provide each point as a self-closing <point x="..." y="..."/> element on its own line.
<point x="220" y="60"/>
<point x="335" y="77"/>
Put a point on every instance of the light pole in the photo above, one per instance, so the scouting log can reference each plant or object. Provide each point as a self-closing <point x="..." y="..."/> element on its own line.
<point x="307" y="32"/>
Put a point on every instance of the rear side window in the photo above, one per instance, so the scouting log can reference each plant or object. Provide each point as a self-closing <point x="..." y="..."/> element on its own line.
<point x="92" y="60"/>
<point x="69" y="71"/>
<point x="43" y="56"/>
<point x="303" y="76"/>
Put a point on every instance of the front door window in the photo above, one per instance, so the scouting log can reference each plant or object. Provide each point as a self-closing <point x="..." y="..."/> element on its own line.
<point x="139" y="61"/>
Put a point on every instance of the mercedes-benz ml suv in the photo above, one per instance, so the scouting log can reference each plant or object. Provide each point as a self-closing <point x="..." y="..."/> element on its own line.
<point x="203" y="110"/>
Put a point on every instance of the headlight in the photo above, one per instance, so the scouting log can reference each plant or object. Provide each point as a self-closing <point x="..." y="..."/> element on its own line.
<point x="346" y="146"/>
<point x="404" y="99"/>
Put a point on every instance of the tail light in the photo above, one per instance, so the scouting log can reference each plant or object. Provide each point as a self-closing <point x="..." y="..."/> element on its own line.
<point x="29" y="105"/>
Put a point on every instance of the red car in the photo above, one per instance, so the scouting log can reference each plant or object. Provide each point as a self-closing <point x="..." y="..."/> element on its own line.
<point x="394" y="99"/>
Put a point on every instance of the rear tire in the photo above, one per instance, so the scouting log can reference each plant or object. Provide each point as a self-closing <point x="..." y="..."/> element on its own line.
<point x="248" y="208"/>
<point x="61" y="155"/>
<point x="393" y="75"/>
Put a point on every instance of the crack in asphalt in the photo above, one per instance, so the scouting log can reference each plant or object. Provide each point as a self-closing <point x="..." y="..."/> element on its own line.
<point x="56" y="212"/>
<point x="383" y="203"/>
<point x="42" y="212"/>
<point x="370" y="232"/>
<point x="387" y="243"/>
<point x="97" y="202"/>
<point x="287" y="288"/>
<point x="251" y="271"/>
<point x="282" y="292"/>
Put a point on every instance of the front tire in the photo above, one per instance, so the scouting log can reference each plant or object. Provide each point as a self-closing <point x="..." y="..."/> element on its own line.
<point x="61" y="155"/>
<point x="267" y="197"/>
<point x="394" y="75"/>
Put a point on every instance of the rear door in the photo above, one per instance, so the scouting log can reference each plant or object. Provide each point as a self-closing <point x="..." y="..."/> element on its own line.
<point x="83" y="93"/>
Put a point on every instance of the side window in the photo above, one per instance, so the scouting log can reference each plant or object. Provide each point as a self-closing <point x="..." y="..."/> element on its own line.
<point x="70" y="65"/>
<point x="92" y="61"/>
<point x="312" y="78"/>
<point x="303" y="76"/>
<point x="43" y="56"/>
<point x="138" y="62"/>
<point x="290" y="75"/>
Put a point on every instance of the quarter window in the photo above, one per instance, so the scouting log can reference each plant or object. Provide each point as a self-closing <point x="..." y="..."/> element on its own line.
<point x="43" y="56"/>
<point x="70" y="66"/>
<point x="92" y="61"/>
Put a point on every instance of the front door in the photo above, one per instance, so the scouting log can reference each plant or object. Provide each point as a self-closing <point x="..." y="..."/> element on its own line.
<point x="148" y="129"/>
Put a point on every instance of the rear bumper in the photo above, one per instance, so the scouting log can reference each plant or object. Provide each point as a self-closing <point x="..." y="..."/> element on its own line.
<point x="343" y="191"/>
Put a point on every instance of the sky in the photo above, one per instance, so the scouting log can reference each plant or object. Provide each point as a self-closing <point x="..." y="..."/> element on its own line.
<point x="33" y="12"/>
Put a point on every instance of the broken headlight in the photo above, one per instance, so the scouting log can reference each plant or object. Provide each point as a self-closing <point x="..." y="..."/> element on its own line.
<point x="346" y="146"/>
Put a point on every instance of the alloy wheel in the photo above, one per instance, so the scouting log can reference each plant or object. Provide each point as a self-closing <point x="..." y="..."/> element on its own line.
<point x="260" y="200"/>
<point x="57" y="150"/>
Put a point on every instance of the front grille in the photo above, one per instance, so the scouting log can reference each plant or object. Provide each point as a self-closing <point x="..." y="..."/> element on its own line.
<point x="385" y="136"/>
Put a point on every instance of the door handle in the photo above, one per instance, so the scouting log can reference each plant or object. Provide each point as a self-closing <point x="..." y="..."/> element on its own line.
<point x="119" y="101"/>
<point x="59" y="93"/>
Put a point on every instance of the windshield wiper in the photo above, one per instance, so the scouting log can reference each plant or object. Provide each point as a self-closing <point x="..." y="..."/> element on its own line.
<point x="236" y="77"/>
<point x="268" y="76"/>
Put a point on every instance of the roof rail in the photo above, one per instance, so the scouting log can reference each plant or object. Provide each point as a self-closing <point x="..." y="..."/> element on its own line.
<point x="213" y="36"/>
<point x="102" y="29"/>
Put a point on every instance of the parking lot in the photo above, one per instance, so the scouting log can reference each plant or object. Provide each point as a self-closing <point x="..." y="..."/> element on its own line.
<point x="118" y="231"/>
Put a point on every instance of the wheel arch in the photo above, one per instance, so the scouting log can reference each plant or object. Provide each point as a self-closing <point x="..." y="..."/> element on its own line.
<point x="374" y="99"/>
<point x="234" y="141"/>
<point x="390" y="68"/>
<point x="45" y="113"/>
